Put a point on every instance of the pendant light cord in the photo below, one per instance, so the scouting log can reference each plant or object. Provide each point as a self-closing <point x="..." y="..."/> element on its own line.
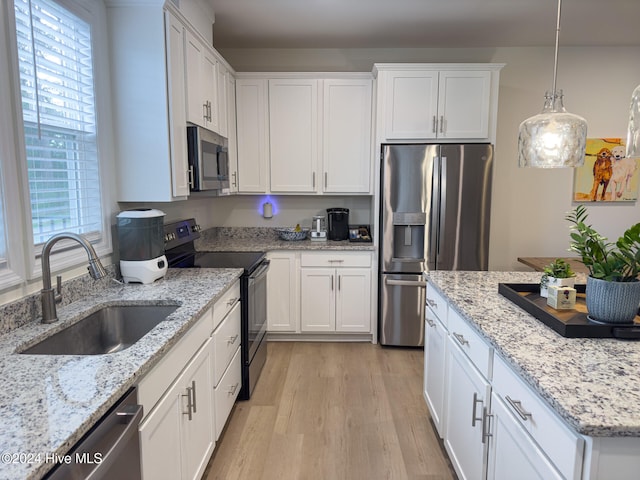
<point x="555" y="60"/>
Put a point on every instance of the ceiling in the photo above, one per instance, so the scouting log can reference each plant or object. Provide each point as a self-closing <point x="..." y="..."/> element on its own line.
<point x="422" y="23"/>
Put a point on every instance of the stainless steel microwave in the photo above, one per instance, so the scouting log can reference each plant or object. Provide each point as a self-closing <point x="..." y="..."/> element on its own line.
<point x="208" y="161"/>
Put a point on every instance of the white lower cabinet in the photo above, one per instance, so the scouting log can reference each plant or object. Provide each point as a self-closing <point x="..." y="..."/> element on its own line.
<point x="177" y="438"/>
<point x="282" y="292"/>
<point x="335" y="292"/>
<point x="435" y="341"/>
<point x="513" y="453"/>
<point x="468" y="397"/>
<point x="226" y="392"/>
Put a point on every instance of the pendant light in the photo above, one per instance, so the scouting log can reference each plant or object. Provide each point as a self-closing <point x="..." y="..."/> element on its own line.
<point x="554" y="138"/>
<point x="633" y="137"/>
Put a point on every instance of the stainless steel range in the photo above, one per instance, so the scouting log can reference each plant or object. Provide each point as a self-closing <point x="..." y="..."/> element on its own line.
<point x="181" y="253"/>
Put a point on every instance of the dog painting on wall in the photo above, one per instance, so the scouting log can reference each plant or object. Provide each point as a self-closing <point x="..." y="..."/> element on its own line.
<point x="607" y="174"/>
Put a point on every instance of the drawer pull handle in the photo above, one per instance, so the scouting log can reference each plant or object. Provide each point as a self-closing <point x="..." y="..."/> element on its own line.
<point x="460" y="338"/>
<point x="432" y="303"/>
<point x="193" y="393"/>
<point x="336" y="260"/>
<point x="430" y="322"/>
<point x="517" y="406"/>
<point x="474" y="417"/>
<point x="189" y="411"/>
<point x="232" y="340"/>
<point x="232" y="301"/>
<point x="232" y="390"/>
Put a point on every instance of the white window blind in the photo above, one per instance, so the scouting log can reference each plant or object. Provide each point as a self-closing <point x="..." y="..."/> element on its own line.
<point x="57" y="90"/>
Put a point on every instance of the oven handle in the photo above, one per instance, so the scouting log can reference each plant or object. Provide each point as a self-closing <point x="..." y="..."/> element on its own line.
<point x="262" y="270"/>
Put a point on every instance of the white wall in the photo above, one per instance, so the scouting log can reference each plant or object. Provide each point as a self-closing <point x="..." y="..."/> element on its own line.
<point x="528" y="205"/>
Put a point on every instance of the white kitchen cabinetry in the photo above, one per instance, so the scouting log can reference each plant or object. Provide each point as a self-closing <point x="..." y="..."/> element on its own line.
<point x="222" y="99"/>
<point x="252" y="119"/>
<point x="335" y="292"/>
<point x="183" y="416"/>
<point x="346" y="139"/>
<point x="304" y="134"/>
<point x="435" y="356"/>
<point x="149" y="102"/>
<point x="282" y="292"/>
<point x="202" y="84"/>
<point x="437" y="101"/>
<point x="231" y="130"/>
<point x="293" y="135"/>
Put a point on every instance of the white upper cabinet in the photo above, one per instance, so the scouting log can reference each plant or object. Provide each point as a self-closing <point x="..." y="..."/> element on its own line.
<point x="346" y="139"/>
<point x="252" y="135"/>
<point x="148" y="103"/>
<point x="437" y="101"/>
<point x="202" y="84"/>
<point x="293" y="135"/>
<point x="316" y="131"/>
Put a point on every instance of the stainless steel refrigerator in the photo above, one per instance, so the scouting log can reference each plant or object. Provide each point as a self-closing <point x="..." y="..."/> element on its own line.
<point x="434" y="215"/>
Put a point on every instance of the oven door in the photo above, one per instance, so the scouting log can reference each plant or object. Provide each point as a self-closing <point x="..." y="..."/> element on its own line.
<point x="257" y="311"/>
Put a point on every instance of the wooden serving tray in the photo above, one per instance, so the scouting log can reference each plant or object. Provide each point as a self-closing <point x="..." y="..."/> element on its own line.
<point x="568" y="323"/>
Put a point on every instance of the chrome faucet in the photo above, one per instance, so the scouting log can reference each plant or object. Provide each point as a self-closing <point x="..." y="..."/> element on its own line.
<point x="48" y="295"/>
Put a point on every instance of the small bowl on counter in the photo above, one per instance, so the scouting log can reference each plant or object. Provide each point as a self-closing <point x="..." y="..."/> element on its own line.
<point x="290" y="234"/>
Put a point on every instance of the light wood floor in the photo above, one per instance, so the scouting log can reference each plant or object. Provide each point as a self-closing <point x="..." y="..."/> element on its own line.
<point x="331" y="411"/>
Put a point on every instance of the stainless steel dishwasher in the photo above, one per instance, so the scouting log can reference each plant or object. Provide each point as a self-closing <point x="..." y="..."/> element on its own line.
<point x="110" y="450"/>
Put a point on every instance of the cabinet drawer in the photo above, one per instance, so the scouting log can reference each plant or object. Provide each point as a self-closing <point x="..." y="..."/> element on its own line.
<point x="226" y="339"/>
<point x="556" y="439"/>
<point x="480" y="353"/>
<point x="437" y="304"/>
<point x="225" y="303"/>
<point x="338" y="259"/>
<point x="226" y="392"/>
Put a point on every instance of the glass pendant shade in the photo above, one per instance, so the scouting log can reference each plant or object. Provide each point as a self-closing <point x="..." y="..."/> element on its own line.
<point x="633" y="137"/>
<point x="554" y="138"/>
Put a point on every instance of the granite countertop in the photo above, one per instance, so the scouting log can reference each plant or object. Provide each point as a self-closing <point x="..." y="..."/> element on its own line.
<point x="47" y="402"/>
<point x="594" y="384"/>
<point x="250" y="239"/>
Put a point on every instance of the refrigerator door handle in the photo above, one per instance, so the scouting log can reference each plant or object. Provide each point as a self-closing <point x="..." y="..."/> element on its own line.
<point x="434" y="219"/>
<point x="407" y="260"/>
<point x="405" y="283"/>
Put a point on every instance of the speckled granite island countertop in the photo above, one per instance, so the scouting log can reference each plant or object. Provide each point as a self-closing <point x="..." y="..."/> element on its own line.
<point x="47" y="402"/>
<point x="251" y="239"/>
<point x="594" y="384"/>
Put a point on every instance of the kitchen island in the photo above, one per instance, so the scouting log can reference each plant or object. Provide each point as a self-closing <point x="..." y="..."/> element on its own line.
<point x="48" y="402"/>
<point x="592" y="385"/>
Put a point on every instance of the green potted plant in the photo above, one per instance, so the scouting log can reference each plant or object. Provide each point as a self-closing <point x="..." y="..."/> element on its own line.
<point x="557" y="273"/>
<point x="613" y="289"/>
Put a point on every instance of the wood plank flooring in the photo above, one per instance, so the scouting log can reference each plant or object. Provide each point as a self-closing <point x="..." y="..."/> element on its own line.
<point x="332" y="411"/>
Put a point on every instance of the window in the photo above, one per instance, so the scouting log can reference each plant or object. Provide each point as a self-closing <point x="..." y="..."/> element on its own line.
<point x="58" y="109"/>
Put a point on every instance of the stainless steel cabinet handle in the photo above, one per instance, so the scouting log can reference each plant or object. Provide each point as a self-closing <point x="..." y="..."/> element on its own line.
<point x="205" y="111"/>
<point x="331" y="282"/>
<point x="460" y="338"/>
<point x="235" y="179"/>
<point x="233" y="389"/>
<point x="314" y="179"/>
<point x="430" y="322"/>
<point x="189" y="411"/>
<point x="432" y="303"/>
<point x="325" y="180"/>
<point x="486" y="425"/>
<point x="435" y="124"/>
<point x="441" y="123"/>
<point x="474" y="417"/>
<point x="191" y="180"/>
<point x="232" y="340"/>
<point x="336" y="260"/>
<point x="517" y="406"/>
<point x="406" y="283"/>
<point x="339" y="278"/>
<point x="193" y="393"/>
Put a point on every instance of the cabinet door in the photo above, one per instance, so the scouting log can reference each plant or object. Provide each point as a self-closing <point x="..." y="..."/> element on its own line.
<point x="282" y="292"/>
<point x="512" y="452"/>
<point x="194" y="60"/>
<point x="175" y="35"/>
<point x="317" y="299"/>
<point x="231" y="130"/>
<point x="209" y="86"/>
<point x="463" y="104"/>
<point x="221" y="100"/>
<point x="346" y="149"/>
<point x="435" y="345"/>
<point x="293" y="135"/>
<point x="197" y="431"/>
<point x="160" y="453"/>
<point x="353" y="300"/>
<point x="411" y="104"/>
<point x="467" y="398"/>
<point x="253" y="144"/>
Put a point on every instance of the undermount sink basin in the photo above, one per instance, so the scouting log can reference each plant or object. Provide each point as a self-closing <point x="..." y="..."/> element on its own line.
<point x="108" y="330"/>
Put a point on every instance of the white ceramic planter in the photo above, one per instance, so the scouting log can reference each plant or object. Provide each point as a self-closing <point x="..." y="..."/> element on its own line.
<point x="560" y="282"/>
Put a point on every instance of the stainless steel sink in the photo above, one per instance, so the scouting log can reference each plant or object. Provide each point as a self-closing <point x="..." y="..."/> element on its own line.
<point x="108" y="330"/>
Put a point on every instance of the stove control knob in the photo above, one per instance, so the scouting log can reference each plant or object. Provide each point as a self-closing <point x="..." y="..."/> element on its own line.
<point x="195" y="228"/>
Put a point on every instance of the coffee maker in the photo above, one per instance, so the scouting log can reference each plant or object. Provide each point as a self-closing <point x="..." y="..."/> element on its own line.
<point x="141" y="243"/>
<point x="338" y="219"/>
